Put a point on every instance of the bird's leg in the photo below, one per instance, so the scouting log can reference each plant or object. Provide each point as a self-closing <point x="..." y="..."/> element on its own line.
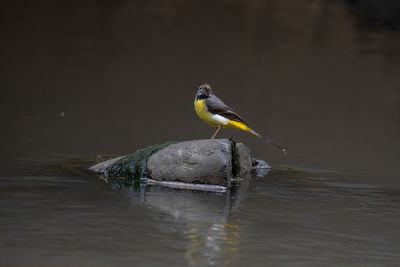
<point x="218" y="127"/>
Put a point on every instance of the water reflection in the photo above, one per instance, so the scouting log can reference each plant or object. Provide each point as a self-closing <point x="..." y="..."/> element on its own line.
<point x="216" y="225"/>
<point x="211" y="236"/>
<point x="289" y="216"/>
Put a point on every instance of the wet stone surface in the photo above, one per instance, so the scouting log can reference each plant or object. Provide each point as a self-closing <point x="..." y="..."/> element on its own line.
<point x="199" y="161"/>
<point x="207" y="162"/>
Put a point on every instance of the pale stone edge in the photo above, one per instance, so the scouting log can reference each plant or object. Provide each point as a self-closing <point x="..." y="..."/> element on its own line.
<point x="182" y="185"/>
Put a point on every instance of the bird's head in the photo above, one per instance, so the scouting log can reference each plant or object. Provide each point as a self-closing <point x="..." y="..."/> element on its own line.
<point x="204" y="91"/>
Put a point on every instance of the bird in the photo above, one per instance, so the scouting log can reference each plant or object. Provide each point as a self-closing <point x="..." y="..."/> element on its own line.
<point x="216" y="113"/>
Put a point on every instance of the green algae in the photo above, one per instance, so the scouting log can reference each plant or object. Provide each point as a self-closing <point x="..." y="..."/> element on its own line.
<point x="235" y="159"/>
<point x="133" y="167"/>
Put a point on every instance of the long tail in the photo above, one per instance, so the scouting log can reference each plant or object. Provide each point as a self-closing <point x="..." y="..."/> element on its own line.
<point x="268" y="141"/>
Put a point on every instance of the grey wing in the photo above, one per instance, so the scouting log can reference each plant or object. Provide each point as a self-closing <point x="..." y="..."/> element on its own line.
<point x="216" y="106"/>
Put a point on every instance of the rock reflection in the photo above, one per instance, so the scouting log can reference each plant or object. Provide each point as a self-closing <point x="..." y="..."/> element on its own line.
<point x="213" y="237"/>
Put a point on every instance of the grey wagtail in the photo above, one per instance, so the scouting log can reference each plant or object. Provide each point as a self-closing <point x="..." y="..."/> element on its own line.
<point x="213" y="111"/>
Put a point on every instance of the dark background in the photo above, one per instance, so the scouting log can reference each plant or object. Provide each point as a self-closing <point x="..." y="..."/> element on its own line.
<point x="320" y="77"/>
<point x="87" y="78"/>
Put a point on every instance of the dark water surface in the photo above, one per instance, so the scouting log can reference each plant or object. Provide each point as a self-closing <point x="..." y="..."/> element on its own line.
<point x="80" y="79"/>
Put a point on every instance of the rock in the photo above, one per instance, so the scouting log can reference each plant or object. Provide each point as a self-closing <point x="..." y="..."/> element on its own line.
<point x="200" y="164"/>
<point x="200" y="161"/>
<point x="260" y="167"/>
<point x="259" y="164"/>
<point x="245" y="160"/>
<point x="100" y="168"/>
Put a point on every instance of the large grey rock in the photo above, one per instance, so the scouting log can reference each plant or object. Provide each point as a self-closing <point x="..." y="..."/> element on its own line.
<point x="206" y="161"/>
<point x="199" y="164"/>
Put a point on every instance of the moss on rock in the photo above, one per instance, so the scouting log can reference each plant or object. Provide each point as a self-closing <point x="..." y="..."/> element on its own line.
<point x="133" y="167"/>
<point x="235" y="159"/>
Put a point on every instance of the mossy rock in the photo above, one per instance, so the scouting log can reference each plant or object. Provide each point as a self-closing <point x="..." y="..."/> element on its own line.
<point x="208" y="161"/>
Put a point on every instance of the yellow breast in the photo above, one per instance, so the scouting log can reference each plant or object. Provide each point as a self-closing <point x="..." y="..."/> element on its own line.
<point x="203" y="113"/>
<point x="216" y="120"/>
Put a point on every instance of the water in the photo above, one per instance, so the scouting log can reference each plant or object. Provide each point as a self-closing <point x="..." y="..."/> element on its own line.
<point x="83" y="79"/>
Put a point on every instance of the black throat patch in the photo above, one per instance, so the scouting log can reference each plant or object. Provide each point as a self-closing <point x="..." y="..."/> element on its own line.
<point x="199" y="97"/>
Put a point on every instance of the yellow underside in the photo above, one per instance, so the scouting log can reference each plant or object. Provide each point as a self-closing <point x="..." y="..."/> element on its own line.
<point x="206" y="116"/>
